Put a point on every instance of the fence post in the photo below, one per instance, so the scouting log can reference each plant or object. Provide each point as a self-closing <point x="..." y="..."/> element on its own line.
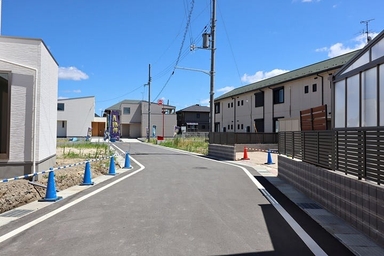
<point x="293" y="145"/>
<point x="318" y="147"/>
<point x="365" y="154"/>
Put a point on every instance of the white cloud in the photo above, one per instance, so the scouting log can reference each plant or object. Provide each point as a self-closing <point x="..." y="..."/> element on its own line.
<point x="225" y="89"/>
<point x="72" y="73"/>
<point x="338" y="49"/>
<point x="77" y="91"/>
<point x="261" y="75"/>
<point x="62" y="98"/>
<point x="204" y="102"/>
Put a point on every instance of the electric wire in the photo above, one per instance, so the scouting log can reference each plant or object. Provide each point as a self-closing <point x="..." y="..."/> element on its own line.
<point x="229" y="42"/>
<point x="181" y="48"/>
<point x="122" y="95"/>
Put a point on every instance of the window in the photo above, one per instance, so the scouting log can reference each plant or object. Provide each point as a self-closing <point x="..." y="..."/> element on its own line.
<point x="314" y="87"/>
<point x="242" y="126"/>
<point x="217" y="108"/>
<point x="126" y="111"/>
<point x="238" y="103"/>
<point x="238" y="126"/>
<point x="259" y="99"/>
<point x="259" y="125"/>
<point x="229" y="105"/>
<point x="306" y="89"/>
<point x="60" y="106"/>
<point x="229" y="127"/>
<point x="4" y="114"/>
<point x="242" y="102"/>
<point x="278" y="95"/>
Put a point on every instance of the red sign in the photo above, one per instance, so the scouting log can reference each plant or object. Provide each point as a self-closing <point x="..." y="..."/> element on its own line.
<point x="160" y="102"/>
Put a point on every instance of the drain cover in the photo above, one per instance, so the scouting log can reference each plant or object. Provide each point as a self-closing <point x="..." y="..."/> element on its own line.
<point x="15" y="213"/>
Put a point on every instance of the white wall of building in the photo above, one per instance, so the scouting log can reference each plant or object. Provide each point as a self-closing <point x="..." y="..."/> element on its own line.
<point x="34" y="81"/>
<point x="78" y="114"/>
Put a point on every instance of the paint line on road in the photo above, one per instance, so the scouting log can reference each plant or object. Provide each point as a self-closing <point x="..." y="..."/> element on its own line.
<point x="312" y="245"/>
<point x="64" y="207"/>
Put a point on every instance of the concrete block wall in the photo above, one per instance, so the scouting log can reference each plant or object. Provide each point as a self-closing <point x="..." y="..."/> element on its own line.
<point x="222" y="151"/>
<point x="358" y="202"/>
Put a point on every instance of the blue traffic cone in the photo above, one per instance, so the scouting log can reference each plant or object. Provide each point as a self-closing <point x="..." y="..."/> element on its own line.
<point x="50" y="194"/>
<point x="87" y="175"/>
<point x="269" y="159"/>
<point x="112" y="170"/>
<point x="127" y="161"/>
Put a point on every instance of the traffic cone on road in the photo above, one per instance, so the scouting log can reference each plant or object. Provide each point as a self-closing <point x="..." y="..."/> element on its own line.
<point x="112" y="170"/>
<point x="50" y="194"/>
<point x="87" y="175"/>
<point x="269" y="158"/>
<point x="245" y="155"/>
<point x="127" y="163"/>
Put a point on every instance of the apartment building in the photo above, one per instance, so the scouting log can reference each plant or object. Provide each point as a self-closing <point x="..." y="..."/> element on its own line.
<point x="274" y="104"/>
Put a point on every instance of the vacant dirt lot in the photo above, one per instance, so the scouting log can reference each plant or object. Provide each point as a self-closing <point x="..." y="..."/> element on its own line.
<point x="20" y="192"/>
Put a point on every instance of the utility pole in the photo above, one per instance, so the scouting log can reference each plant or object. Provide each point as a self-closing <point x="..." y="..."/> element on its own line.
<point x="367" y="31"/>
<point x="149" y="103"/>
<point x="212" y="72"/>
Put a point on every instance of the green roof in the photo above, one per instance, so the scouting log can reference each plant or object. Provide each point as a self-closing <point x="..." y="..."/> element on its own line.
<point x="292" y="75"/>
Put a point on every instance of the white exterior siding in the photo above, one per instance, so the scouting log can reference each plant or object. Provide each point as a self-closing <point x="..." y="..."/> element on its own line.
<point x="78" y="115"/>
<point x="33" y="69"/>
<point x="47" y="113"/>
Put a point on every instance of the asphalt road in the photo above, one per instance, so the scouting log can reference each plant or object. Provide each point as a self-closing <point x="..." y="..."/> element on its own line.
<point x="170" y="203"/>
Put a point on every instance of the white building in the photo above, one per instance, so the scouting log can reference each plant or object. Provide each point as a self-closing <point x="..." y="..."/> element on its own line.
<point x="28" y="93"/>
<point x="75" y="116"/>
<point x="274" y="104"/>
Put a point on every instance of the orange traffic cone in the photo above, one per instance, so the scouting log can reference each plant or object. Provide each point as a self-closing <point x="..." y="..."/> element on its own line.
<point x="245" y="157"/>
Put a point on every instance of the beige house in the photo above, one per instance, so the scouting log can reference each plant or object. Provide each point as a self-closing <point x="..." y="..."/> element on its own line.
<point x="274" y="104"/>
<point x="131" y="119"/>
<point x="28" y="101"/>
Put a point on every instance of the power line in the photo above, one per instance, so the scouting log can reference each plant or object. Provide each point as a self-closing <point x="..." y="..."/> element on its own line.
<point x="230" y="45"/>
<point x="121" y="95"/>
<point x="181" y="48"/>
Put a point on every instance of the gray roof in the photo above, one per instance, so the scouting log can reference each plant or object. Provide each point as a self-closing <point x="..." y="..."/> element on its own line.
<point x="292" y="75"/>
<point x="195" y="108"/>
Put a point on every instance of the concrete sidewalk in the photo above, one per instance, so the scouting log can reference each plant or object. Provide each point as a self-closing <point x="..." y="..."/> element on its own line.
<point x="356" y="241"/>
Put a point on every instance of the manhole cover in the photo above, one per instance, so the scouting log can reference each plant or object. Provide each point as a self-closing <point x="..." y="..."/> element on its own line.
<point x="16" y="213"/>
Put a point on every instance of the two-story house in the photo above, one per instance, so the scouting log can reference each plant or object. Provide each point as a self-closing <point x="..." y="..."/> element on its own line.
<point x="28" y="89"/>
<point x="76" y="116"/>
<point x="194" y="118"/>
<point x="129" y="119"/>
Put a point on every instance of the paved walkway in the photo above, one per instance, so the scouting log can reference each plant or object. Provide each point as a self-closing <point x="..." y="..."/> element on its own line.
<point x="357" y="242"/>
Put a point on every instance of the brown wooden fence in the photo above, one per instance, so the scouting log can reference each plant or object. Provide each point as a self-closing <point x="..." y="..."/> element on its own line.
<point x="354" y="152"/>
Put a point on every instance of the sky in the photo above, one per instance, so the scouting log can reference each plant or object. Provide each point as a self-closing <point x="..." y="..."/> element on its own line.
<point x="109" y="48"/>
